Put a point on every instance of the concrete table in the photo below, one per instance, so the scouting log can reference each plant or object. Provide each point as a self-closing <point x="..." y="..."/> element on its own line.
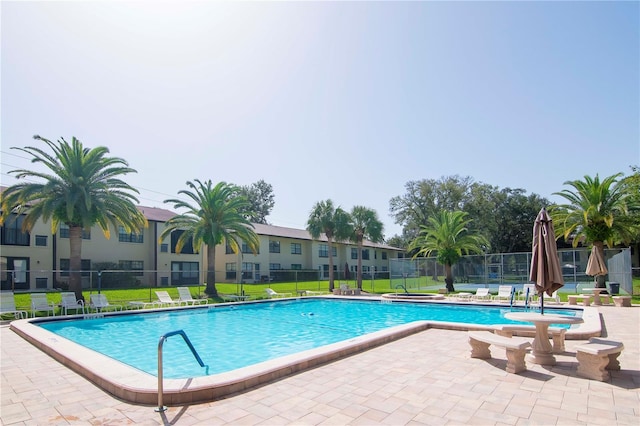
<point x="596" y="294"/>
<point x="542" y="351"/>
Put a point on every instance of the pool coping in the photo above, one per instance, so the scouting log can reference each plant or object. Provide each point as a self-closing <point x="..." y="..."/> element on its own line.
<point x="135" y="386"/>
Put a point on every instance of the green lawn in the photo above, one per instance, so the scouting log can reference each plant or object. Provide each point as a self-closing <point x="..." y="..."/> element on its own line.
<point x="257" y="291"/>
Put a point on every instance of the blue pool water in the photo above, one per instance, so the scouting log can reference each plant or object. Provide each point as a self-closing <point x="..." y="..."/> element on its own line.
<point x="231" y="337"/>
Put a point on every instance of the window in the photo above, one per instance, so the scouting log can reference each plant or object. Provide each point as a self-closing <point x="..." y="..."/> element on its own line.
<point x="16" y="275"/>
<point x="384" y="255"/>
<point x="354" y="253"/>
<point x="323" y="251"/>
<point x="227" y="249"/>
<point x="325" y="270"/>
<point x="132" y="265"/>
<point x="129" y="237"/>
<point x="41" y="240"/>
<point x="186" y="249"/>
<point x="247" y="250"/>
<point x="164" y="248"/>
<point x="41" y="283"/>
<point x="365" y="254"/>
<point x="164" y="281"/>
<point x="274" y="266"/>
<point x="185" y="273"/>
<point x="64" y="232"/>
<point x="85" y="267"/>
<point x="230" y="271"/>
<point x="247" y="270"/>
<point x="296" y="248"/>
<point x="274" y="246"/>
<point x="296" y="266"/>
<point x="12" y="234"/>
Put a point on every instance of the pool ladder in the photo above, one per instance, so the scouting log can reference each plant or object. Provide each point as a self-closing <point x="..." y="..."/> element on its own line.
<point x="164" y="337"/>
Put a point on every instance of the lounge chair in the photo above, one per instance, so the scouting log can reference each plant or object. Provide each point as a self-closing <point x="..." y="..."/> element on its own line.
<point x="553" y="299"/>
<point x="8" y="305"/>
<point x="522" y="294"/>
<point x="39" y="303"/>
<point x="504" y="293"/>
<point x="481" y="294"/>
<point x="271" y="293"/>
<point x="166" y="300"/>
<point x="100" y="303"/>
<point x="185" y="297"/>
<point x="69" y="301"/>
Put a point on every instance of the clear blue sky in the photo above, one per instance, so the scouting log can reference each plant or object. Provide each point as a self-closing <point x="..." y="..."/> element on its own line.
<point x="340" y="100"/>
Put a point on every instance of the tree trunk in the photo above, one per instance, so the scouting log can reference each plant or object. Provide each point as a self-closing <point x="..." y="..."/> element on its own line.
<point x="330" y="245"/>
<point x="211" y="289"/>
<point x="359" y="274"/>
<point x="600" y="279"/>
<point x="75" y="261"/>
<point x="449" y="278"/>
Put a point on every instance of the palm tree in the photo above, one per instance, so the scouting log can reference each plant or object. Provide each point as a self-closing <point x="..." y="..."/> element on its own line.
<point x="448" y="235"/>
<point x="597" y="213"/>
<point x="215" y="217"/>
<point x="333" y="222"/>
<point x="365" y="224"/>
<point x="82" y="189"/>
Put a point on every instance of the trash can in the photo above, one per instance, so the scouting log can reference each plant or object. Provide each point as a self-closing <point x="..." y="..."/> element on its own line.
<point x="614" y="288"/>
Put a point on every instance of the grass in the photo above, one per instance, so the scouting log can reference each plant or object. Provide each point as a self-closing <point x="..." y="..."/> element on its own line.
<point x="257" y="291"/>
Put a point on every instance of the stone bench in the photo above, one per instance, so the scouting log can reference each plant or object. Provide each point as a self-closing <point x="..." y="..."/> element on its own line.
<point x="622" y="301"/>
<point x="515" y="347"/>
<point x="596" y="357"/>
<point x="586" y="299"/>
<point x="556" y="333"/>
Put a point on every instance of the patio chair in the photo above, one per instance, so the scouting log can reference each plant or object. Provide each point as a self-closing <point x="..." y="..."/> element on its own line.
<point x="522" y="294"/>
<point x="185" y="297"/>
<point x="165" y="299"/>
<point x="100" y="303"/>
<point x="553" y="299"/>
<point x="39" y="303"/>
<point x="482" y="294"/>
<point x="504" y="293"/>
<point x="69" y="301"/>
<point x="271" y="293"/>
<point x="8" y="305"/>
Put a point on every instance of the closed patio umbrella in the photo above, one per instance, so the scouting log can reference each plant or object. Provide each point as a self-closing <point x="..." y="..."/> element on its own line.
<point x="596" y="265"/>
<point x="545" y="265"/>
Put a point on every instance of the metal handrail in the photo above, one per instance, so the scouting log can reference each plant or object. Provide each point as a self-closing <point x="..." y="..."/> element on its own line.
<point x="164" y="337"/>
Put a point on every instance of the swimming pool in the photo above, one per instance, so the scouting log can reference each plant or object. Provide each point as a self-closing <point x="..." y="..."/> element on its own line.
<point x="232" y="337"/>
<point x="300" y="316"/>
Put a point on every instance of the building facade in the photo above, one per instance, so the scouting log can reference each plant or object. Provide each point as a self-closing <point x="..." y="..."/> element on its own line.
<point x="39" y="260"/>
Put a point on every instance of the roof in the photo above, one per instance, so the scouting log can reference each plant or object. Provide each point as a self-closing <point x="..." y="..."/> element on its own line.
<point x="156" y="214"/>
<point x="303" y="234"/>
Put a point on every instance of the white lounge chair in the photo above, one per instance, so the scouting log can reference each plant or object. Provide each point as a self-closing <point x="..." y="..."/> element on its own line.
<point x="69" y="301"/>
<point x="504" y="293"/>
<point x="481" y="294"/>
<point x="166" y="300"/>
<point x="522" y="294"/>
<point x="39" y="303"/>
<point x="100" y="303"/>
<point x="185" y="297"/>
<point x="271" y="293"/>
<point x="553" y="299"/>
<point x="8" y="305"/>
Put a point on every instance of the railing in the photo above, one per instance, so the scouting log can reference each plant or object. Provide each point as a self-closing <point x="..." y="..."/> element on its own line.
<point x="164" y="337"/>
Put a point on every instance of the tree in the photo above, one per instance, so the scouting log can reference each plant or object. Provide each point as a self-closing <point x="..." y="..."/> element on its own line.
<point x="214" y="217"/>
<point x="447" y="234"/>
<point x="331" y="221"/>
<point x="598" y="212"/>
<point x="82" y="189"/>
<point x="261" y="201"/>
<point x="365" y="224"/>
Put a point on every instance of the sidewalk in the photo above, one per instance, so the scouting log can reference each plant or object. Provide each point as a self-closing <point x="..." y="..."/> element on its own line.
<point x="427" y="378"/>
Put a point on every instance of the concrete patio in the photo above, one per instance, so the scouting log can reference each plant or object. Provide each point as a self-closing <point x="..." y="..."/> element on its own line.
<point x="426" y="378"/>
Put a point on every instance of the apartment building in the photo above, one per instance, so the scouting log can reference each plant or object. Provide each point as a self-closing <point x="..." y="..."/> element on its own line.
<point x="39" y="260"/>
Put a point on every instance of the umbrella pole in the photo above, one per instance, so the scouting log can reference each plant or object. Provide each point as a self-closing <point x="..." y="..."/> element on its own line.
<point x="542" y="303"/>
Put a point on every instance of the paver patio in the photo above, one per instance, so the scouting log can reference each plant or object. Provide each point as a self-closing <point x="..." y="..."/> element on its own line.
<point x="427" y="378"/>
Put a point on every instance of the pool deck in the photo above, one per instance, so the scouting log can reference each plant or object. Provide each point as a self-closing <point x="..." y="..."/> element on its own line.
<point x="425" y="378"/>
